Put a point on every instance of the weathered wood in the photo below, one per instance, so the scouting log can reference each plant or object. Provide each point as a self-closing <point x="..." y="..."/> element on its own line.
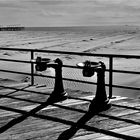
<point x="130" y="130"/>
<point x="52" y="121"/>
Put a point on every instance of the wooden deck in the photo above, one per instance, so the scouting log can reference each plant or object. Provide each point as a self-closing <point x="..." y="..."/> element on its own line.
<point x="26" y="116"/>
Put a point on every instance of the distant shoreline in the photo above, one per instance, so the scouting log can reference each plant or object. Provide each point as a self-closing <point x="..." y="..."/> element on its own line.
<point x="12" y="28"/>
<point x="82" y="28"/>
<point x="72" y="28"/>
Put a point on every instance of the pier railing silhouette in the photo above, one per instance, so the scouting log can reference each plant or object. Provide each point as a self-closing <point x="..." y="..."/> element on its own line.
<point x="11" y="28"/>
<point x="110" y="70"/>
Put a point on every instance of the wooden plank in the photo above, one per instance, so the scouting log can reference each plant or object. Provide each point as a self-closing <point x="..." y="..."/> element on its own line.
<point x="38" y="128"/>
<point x="55" y="113"/>
<point x="130" y="130"/>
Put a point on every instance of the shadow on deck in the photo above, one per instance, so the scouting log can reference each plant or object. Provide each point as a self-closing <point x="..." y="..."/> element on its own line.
<point x="26" y="114"/>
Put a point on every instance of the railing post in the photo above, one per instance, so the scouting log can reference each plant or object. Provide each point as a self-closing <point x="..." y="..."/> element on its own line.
<point x="110" y="76"/>
<point x="32" y="68"/>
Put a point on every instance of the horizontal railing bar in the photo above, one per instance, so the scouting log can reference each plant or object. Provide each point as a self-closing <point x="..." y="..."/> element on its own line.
<point x="74" y="53"/>
<point x="125" y="87"/>
<point x="69" y="66"/>
<point x="117" y="71"/>
<point x="73" y="80"/>
<point x="124" y="71"/>
<point x="25" y="90"/>
<point x="9" y="71"/>
<point x="128" y="72"/>
<point x="13" y="60"/>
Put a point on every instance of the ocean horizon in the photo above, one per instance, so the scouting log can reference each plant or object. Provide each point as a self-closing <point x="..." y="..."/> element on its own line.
<point x="78" y="28"/>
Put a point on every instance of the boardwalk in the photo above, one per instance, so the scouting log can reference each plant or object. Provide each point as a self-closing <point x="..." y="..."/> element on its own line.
<point x="25" y="115"/>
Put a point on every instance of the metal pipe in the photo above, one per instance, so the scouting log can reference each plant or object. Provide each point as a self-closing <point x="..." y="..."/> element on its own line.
<point x="32" y="68"/>
<point x="110" y="76"/>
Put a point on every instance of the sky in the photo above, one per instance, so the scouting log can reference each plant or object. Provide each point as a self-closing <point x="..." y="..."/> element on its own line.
<point x="49" y="13"/>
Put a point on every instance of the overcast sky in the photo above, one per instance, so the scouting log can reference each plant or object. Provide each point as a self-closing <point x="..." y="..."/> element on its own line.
<point x="69" y="12"/>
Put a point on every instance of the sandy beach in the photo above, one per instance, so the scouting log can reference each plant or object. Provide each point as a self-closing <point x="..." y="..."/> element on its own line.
<point x="110" y="40"/>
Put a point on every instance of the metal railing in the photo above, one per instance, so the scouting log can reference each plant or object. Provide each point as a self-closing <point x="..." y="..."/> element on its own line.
<point x="110" y="69"/>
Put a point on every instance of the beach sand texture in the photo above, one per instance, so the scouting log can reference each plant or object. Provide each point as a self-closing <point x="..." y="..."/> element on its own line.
<point x="112" y="40"/>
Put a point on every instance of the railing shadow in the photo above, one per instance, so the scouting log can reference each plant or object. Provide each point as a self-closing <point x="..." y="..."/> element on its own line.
<point x="70" y="97"/>
<point x="16" y="90"/>
<point x="25" y="115"/>
<point x="69" y="133"/>
<point x="79" y="110"/>
<point x="81" y="123"/>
